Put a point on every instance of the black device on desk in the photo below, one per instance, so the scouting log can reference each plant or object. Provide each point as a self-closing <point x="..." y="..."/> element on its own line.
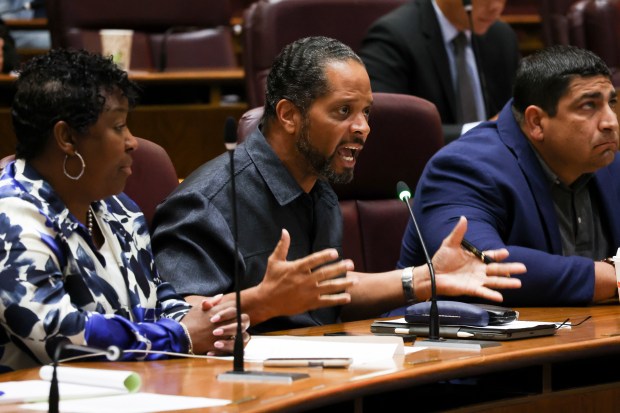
<point x="494" y="333"/>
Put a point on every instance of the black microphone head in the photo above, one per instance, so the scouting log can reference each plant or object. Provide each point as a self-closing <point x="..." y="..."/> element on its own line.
<point x="402" y="191"/>
<point x="230" y="133"/>
<point x="467" y="5"/>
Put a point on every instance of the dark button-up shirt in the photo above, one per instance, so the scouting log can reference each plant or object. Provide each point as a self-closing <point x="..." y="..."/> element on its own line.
<point x="193" y="239"/>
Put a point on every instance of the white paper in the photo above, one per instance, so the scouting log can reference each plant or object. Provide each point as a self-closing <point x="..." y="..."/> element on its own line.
<point x="365" y="351"/>
<point x="131" y="403"/>
<point x="39" y="390"/>
<point x="73" y="383"/>
<point x="116" y="379"/>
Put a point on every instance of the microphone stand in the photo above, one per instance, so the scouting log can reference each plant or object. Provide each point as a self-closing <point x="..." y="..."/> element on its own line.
<point x="434" y="339"/>
<point x="474" y="47"/>
<point x="238" y="373"/>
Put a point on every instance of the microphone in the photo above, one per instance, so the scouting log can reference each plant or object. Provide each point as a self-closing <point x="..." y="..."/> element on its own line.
<point x="451" y="310"/>
<point x="404" y="194"/>
<point x="29" y="5"/>
<point x="238" y="373"/>
<point x="112" y="353"/>
<point x="230" y="141"/>
<point x="474" y="47"/>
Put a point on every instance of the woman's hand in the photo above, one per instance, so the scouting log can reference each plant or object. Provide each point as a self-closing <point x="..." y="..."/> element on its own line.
<point x="212" y="325"/>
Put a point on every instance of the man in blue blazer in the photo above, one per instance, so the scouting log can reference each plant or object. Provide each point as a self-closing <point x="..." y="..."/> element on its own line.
<point x="543" y="181"/>
<point x="409" y="51"/>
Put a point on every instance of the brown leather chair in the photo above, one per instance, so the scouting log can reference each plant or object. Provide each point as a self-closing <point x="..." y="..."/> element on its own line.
<point x="269" y="25"/>
<point x="405" y="133"/>
<point x="153" y="176"/>
<point x="168" y="34"/>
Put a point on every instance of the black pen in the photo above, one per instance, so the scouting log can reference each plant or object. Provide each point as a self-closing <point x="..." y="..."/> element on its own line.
<point x="469" y="247"/>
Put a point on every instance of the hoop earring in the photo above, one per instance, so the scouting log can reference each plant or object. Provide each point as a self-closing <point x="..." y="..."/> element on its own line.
<point x="64" y="167"/>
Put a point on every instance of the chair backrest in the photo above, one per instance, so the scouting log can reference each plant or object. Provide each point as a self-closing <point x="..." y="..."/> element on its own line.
<point x="183" y="33"/>
<point x="152" y="179"/>
<point x="269" y="25"/>
<point x="602" y="29"/>
<point x="153" y="176"/>
<point x="405" y="132"/>
<point x="554" y="21"/>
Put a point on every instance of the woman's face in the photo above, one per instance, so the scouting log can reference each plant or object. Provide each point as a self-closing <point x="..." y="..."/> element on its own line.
<point x="106" y="148"/>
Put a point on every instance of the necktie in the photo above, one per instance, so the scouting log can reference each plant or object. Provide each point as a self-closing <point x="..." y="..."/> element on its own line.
<point x="466" y="104"/>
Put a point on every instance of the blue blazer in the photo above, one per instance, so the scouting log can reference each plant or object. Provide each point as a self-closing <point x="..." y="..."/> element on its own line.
<point x="493" y="177"/>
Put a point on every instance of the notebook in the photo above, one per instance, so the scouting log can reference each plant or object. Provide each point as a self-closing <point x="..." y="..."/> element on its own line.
<point x="511" y="331"/>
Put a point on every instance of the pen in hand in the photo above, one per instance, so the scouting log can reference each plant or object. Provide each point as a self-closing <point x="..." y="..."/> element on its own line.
<point x="470" y="247"/>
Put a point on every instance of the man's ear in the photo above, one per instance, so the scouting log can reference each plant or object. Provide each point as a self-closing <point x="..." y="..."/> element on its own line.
<point x="533" y="122"/>
<point x="288" y="115"/>
<point x="64" y="137"/>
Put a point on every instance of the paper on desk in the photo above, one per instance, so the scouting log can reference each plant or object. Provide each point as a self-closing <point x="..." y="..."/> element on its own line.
<point x="73" y="383"/>
<point x="39" y="390"/>
<point x="366" y="351"/>
<point x="131" y="403"/>
<point x="116" y="379"/>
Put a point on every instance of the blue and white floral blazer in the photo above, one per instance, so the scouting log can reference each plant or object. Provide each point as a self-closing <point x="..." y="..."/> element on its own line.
<point x="53" y="284"/>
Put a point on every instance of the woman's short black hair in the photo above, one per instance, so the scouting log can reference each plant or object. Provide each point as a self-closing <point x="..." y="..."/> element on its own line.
<point x="65" y="85"/>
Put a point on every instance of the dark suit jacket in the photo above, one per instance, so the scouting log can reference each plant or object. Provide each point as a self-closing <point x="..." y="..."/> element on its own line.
<point x="8" y="50"/>
<point x="492" y="176"/>
<point x="404" y="53"/>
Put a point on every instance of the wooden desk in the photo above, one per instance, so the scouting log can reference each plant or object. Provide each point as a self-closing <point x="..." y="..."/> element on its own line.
<point x="547" y="368"/>
<point x="39" y="23"/>
<point x="183" y="111"/>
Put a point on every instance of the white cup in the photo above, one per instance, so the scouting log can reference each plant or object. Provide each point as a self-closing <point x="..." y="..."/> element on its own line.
<point x="117" y="43"/>
<point x="616" y="259"/>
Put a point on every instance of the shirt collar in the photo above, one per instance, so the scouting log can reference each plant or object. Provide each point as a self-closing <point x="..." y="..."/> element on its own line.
<point x="553" y="178"/>
<point x="279" y="180"/>
<point x="448" y="31"/>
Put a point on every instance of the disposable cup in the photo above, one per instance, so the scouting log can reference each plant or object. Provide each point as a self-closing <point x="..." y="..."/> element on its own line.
<point x="117" y="43"/>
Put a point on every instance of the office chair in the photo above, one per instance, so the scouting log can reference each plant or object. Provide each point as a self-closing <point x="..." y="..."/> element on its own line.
<point x="168" y="35"/>
<point x="269" y="25"/>
<point x="560" y="24"/>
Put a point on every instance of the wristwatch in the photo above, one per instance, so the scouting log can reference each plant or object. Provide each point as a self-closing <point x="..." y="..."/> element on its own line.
<point x="609" y="261"/>
<point x="407" y="281"/>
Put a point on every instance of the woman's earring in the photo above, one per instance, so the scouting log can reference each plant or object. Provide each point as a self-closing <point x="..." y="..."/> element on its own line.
<point x="64" y="167"/>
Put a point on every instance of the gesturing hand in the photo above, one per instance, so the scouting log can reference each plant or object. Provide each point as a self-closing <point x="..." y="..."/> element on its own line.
<point x="292" y="287"/>
<point x="459" y="272"/>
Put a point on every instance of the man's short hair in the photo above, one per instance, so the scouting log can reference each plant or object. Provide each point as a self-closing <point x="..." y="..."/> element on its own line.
<point x="543" y="77"/>
<point x="298" y="72"/>
<point x="63" y="85"/>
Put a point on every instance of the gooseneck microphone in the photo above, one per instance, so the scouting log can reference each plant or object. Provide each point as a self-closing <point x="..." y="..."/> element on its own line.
<point x="230" y="141"/>
<point x="112" y="353"/>
<point x="238" y="373"/>
<point x="456" y="312"/>
<point x="474" y="47"/>
<point x="404" y="194"/>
